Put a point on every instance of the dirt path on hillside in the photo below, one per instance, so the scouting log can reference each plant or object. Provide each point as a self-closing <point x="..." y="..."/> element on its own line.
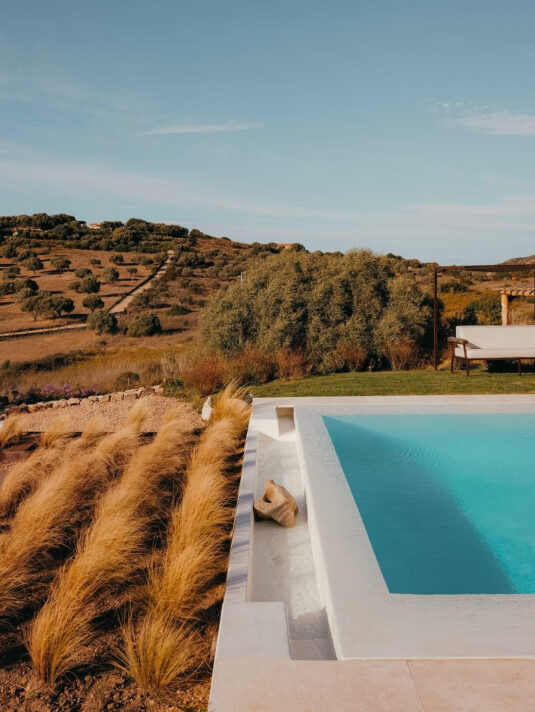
<point x="121" y="305"/>
<point x="117" y="308"/>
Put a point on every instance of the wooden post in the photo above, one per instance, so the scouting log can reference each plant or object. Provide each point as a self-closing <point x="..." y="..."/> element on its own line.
<point x="504" y="299"/>
<point x="435" y="320"/>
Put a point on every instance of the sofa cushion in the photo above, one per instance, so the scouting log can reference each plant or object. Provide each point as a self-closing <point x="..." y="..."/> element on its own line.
<point x="483" y="354"/>
<point x="498" y="337"/>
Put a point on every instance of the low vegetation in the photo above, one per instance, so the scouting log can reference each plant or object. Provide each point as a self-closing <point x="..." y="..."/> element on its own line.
<point x="45" y="526"/>
<point x="123" y="525"/>
<point x="172" y="637"/>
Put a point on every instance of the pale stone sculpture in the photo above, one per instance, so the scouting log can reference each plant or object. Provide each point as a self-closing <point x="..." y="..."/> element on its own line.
<point x="206" y="411"/>
<point x="276" y="503"/>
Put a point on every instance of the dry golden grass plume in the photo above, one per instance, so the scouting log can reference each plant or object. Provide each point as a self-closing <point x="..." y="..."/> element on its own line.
<point x="158" y="651"/>
<point x="110" y="553"/>
<point x="166" y="645"/>
<point x="10" y="432"/>
<point x="232" y="402"/>
<point x="55" y="443"/>
<point x="56" y="432"/>
<point x="47" y="523"/>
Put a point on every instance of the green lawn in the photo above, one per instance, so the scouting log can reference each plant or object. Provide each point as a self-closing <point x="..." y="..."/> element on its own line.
<point x="385" y="383"/>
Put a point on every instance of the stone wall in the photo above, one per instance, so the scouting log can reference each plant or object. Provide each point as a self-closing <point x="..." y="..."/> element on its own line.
<point x="131" y="394"/>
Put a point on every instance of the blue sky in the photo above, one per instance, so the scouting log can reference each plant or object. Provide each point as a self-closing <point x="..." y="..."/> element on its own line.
<point x="406" y="127"/>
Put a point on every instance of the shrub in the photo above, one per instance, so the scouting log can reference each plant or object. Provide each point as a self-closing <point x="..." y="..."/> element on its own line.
<point x="25" y="284"/>
<point x="170" y="367"/>
<point x="485" y="310"/>
<point x="33" y="264"/>
<point x="102" y="322"/>
<point x="206" y="373"/>
<point x="252" y="367"/>
<point x="178" y="310"/>
<point x="291" y="364"/>
<point x="6" y="288"/>
<point x="109" y="274"/>
<point x="454" y="286"/>
<point x="93" y="302"/>
<point x="61" y="264"/>
<point x="345" y="357"/>
<point x="90" y="285"/>
<point x="405" y="319"/>
<point x="95" y="261"/>
<point x="48" y="392"/>
<point x="56" y="304"/>
<point x="82" y="272"/>
<point x="126" y="380"/>
<point x="144" y="325"/>
<point x="402" y="355"/>
<point x="12" y="272"/>
<point x="117" y="259"/>
<point x="141" y="300"/>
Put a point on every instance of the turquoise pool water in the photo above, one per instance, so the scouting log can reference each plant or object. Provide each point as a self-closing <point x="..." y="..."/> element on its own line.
<point x="448" y="501"/>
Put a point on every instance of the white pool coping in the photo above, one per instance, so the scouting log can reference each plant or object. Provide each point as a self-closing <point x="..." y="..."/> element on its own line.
<point x="366" y="620"/>
<point x="367" y="623"/>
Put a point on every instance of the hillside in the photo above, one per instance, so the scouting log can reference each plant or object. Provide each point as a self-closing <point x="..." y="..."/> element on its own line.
<point x="55" y="255"/>
<point x="34" y="248"/>
<point x="201" y="264"/>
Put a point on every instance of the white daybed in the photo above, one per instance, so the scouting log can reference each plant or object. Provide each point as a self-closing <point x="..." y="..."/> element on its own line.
<point x="489" y="343"/>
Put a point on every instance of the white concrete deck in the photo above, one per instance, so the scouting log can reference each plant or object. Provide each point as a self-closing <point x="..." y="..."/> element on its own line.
<point x="307" y="611"/>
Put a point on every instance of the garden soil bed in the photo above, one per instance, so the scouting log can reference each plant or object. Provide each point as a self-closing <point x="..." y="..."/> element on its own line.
<point x="102" y="686"/>
<point x="94" y="691"/>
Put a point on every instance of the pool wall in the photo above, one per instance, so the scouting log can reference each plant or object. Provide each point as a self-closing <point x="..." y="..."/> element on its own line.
<point x="364" y="620"/>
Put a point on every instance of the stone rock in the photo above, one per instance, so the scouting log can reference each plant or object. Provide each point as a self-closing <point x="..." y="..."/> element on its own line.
<point x="22" y="408"/>
<point x="33" y="407"/>
<point x="207" y="409"/>
<point x="60" y="403"/>
<point x="92" y="399"/>
<point x="157" y="389"/>
<point x="117" y="396"/>
<point x="104" y="399"/>
<point x="73" y="401"/>
<point x="131" y="394"/>
<point x="144" y="392"/>
<point x="276" y="503"/>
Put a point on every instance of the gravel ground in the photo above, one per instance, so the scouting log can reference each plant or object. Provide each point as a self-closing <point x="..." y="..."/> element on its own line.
<point x="114" y="414"/>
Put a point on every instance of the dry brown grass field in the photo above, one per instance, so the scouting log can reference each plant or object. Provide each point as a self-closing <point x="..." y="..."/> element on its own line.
<point x="13" y="319"/>
<point x="77" y="589"/>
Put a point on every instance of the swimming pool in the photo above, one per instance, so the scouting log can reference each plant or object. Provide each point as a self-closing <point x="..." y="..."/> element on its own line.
<point x="447" y="500"/>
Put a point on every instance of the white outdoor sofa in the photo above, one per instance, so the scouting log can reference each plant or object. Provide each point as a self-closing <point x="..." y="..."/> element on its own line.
<point x="489" y="343"/>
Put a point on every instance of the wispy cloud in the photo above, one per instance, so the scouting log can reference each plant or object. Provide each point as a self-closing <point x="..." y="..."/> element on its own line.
<point x="480" y="117"/>
<point x="198" y="129"/>
<point x="500" y="123"/>
<point x="434" y="231"/>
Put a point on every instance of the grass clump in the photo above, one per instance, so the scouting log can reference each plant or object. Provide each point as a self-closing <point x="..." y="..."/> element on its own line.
<point x="171" y="640"/>
<point x="111" y="552"/>
<point x="10" y="432"/>
<point x="47" y="523"/>
<point x="24" y="476"/>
